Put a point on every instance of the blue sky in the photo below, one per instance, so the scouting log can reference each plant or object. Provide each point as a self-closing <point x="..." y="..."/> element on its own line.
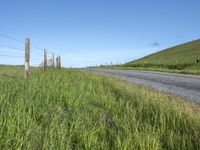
<point x="93" y="32"/>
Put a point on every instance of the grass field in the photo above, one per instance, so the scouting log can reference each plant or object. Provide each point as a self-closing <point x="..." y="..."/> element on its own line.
<point x="11" y="71"/>
<point x="70" y="109"/>
<point x="180" y="59"/>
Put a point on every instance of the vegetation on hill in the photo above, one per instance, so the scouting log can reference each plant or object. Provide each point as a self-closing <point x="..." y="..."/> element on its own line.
<point x="70" y="109"/>
<point x="183" y="54"/>
<point x="182" y="59"/>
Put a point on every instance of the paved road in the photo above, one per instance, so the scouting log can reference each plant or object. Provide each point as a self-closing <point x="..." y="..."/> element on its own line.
<point x="187" y="86"/>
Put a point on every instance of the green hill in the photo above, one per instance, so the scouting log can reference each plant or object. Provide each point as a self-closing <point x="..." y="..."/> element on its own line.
<point x="183" y="54"/>
<point x="181" y="58"/>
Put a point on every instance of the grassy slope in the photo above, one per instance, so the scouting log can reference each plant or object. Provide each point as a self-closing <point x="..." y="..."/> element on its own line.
<point x="180" y="58"/>
<point x="182" y="54"/>
<point x="77" y="110"/>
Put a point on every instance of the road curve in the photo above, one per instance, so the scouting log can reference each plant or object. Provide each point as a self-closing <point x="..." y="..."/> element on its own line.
<point x="187" y="86"/>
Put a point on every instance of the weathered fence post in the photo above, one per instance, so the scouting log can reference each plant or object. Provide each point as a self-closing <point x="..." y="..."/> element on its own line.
<point x="53" y="61"/>
<point x="57" y="62"/>
<point x="27" y="58"/>
<point x="45" y="59"/>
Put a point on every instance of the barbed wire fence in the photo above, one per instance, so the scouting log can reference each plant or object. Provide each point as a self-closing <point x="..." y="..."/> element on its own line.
<point x="30" y="55"/>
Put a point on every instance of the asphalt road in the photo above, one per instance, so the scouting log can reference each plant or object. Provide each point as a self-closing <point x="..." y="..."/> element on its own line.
<point x="187" y="86"/>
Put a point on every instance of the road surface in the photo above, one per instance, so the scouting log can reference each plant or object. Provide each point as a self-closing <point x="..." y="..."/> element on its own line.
<point x="187" y="86"/>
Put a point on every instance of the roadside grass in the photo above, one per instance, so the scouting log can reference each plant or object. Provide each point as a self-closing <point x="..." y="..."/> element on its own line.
<point x="179" y="68"/>
<point x="70" y="109"/>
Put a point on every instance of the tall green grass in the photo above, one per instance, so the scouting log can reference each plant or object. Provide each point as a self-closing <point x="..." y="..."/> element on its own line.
<point x="69" y="109"/>
<point x="177" y="68"/>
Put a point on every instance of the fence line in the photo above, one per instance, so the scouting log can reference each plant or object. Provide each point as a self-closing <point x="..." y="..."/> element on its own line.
<point x="31" y="54"/>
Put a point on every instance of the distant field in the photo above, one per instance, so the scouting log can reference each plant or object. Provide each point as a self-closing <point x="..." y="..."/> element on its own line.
<point x="15" y="71"/>
<point x="180" y="59"/>
<point x="11" y="70"/>
<point x="70" y="109"/>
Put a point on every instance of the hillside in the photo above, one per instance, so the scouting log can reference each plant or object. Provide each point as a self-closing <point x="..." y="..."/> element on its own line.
<point x="179" y="59"/>
<point x="183" y="54"/>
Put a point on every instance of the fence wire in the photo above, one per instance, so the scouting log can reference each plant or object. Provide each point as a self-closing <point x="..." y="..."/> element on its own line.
<point x="8" y="51"/>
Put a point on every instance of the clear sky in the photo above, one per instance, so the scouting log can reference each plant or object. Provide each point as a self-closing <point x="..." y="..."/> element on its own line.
<point x="91" y="32"/>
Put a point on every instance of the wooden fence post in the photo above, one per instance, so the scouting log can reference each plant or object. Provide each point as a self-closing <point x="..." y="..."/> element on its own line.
<point x="27" y="58"/>
<point x="57" y="62"/>
<point x="45" y="59"/>
<point x="53" y="63"/>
